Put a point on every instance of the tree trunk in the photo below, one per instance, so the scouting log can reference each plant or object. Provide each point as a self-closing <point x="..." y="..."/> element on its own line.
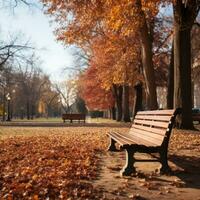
<point x="184" y="16"/>
<point x="47" y="112"/>
<point x="32" y="111"/>
<point x="137" y="99"/>
<point x="117" y="91"/>
<point x="147" y="62"/>
<point x="4" y="105"/>
<point x="192" y="93"/>
<point x="11" y="110"/>
<point x="170" y="83"/>
<point x="28" y="109"/>
<point x="126" y="112"/>
<point x="182" y="77"/>
<point x="113" y="113"/>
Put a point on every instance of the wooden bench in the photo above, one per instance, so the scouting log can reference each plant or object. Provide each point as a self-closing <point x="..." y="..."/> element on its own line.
<point x="150" y="133"/>
<point x="196" y="117"/>
<point x="196" y="114"/>
<point x="72" y="117"/>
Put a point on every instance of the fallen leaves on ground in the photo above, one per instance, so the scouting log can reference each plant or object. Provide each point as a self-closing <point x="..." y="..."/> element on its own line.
<point x="60" y="163"/>
<point x="51" y="166"/>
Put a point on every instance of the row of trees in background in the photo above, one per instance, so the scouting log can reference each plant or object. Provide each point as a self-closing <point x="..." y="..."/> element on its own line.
<point x="130" y="44"/>
<point x="27" y="92"/>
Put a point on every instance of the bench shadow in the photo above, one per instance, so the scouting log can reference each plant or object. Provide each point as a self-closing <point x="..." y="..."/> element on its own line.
<point x="189" y="171"/>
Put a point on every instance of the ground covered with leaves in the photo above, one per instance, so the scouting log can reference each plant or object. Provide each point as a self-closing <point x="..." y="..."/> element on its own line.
<point x="71" y="163"/>
<point x="50" y="163"/>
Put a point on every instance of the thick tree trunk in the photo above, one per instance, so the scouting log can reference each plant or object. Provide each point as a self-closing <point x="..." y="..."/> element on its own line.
<point x="148" y="71"/>
<point x="182" y="76"/>
<point x="137" y="99"/>
<point x="117" y="91"/>
<point x="170" y="83"/>
<point x="184" y="16"/>
<point x="126" y="112"/>
<point x="147" y="62"/>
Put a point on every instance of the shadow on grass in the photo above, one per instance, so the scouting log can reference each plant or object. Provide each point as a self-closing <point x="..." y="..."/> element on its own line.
<point x="191" y="169"/>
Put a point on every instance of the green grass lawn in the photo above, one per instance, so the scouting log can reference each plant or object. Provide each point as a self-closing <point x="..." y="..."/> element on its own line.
<point x="41" y="119"/>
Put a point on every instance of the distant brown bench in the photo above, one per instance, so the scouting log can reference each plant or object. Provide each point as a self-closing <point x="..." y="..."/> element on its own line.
<point x="196" y="114"/>
<point x="196" y="117"/>
<point x="150" y="133"/>
<point x="71" y="117"/>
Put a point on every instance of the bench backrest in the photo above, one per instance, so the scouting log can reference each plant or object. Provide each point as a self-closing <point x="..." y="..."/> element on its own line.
<point x="73" y="116"/>
<point x="153" y="128"/>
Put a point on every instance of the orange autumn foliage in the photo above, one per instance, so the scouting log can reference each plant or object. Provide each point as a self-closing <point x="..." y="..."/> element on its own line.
<point x="113" y="33"/>
<point x="95" y="97"/>
<point x="80" y="21"/>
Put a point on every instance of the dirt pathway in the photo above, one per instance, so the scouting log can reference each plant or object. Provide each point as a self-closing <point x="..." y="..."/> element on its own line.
<point x="147" y="184"/>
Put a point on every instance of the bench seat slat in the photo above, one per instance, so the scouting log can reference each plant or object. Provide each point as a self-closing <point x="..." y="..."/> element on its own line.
<point x="159" y="131"/>
<point x="152" y="123"/>
<point x="156" y="112"/>
<point x="154" y="117"/>
<point x="149" y="140"/>
<point x="142" y="142"/>
<point x="131" y="139"/>
<point x="147" y="133"/>
<point x="124" y="139"/>
<point x="119" y="138"/>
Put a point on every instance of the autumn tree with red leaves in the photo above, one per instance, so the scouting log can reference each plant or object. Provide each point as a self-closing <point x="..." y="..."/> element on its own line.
<point x="96" y="98"/>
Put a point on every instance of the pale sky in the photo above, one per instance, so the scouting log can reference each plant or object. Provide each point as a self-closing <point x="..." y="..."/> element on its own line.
<point x="36" y="27"/>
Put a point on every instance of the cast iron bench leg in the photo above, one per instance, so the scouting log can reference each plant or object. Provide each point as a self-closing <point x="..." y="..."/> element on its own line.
<point x="129" y="168"/>
<point x="165" y="169"/>
<point x="112" y="146"/>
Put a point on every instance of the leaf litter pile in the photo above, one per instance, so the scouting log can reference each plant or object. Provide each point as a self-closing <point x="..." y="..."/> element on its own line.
<point x="61" y="163"/>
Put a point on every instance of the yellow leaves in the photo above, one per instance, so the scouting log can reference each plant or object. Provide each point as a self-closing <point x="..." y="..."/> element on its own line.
<point x="80" y="21"/>
<point x="67" y="162"/>
<point x="26" y="170"/>
<point x="87" y="162"/>
<point x="34" y="177"/>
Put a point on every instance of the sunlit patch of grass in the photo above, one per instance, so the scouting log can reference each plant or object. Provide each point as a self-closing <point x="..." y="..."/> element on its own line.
<point x="40" y="119"/>
<point x="59" y="119"/>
